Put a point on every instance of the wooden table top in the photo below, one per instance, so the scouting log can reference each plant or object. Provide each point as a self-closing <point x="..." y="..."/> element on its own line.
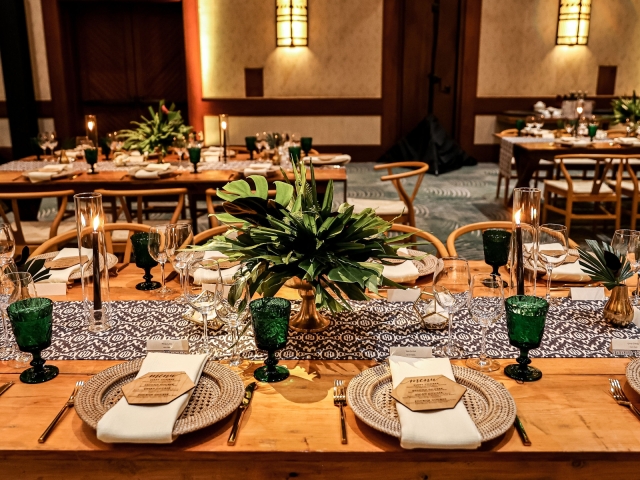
<point x="567" y="413"/>
<point x="598" y="147"/>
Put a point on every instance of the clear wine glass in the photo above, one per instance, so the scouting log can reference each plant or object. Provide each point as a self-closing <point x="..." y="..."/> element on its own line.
<point x="7" y="243"/>
<point x="201" y="277"/>
<point x="20" y="286"/>
<point x="232" y="308"/>
<point x="569" y="126"/>
<point x="451" y="289"/>
<point x="530" y="122"/>
<point x="486" y="306"/>
<point x="539" y="122"/>
<point x="6" y="287"/>
<point x="633" y="255"/>
<point x="620" y="241"/>
<point x="52" y="141"/>
<point x="43" y="143"/>
<point x="553" y="246"/>
<point x="180" y="147"/>
<point x="180" y="237"/>
<point x="160" y="247"/>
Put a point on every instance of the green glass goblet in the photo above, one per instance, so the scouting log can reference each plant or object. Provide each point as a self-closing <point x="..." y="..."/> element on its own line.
<point x="306" y="144"/>
<point x="91" y="156"/>
<point x="140" y="242"/>
<point x="194" y="157"/>
<point x="270" y="318"/>
<point x="294" y="155"/>
<point x="526" y="317"/>
<point x="495" y="243"/>
<point x="32" y="324"/>
<point x="519" y="125"/>
<point x="250" y="142"/>
<point x="592" y="129"/>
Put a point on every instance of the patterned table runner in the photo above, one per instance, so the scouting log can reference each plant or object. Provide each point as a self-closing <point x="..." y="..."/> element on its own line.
<point x="574" y="329"/>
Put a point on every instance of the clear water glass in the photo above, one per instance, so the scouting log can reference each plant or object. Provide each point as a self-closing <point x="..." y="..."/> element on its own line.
<point x="160" y="249"/>
<point x="232" y="308"/>
<point x="553" y="247"/>
<point x="486" y="307"/>
<point x="451" y="289"/>
<point x="180" y="238"/>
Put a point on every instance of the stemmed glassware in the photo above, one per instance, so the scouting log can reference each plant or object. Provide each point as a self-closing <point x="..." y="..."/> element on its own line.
<point x="43" y="143"/>
<point x="569" y="126"/>
<point x="200" y="292"/>
<point x="633" y="255"/>
<point x="232" y="308"/>
<point x="486" y="306"/>
<point x="621" y="239"/>
<point x="553" y="246"/>
<point x="451" y="289"/>
<point x="495" y="243"/>
<point x="539" y="122"/>
<point x="20" y="286"/>
<point x="160" y="246"/>
<point x="52" y="141"/>
<point x="530" y="122"/>
<point x="7" y="250"/>
<point x="180" y="147"/>
<point x="179" y="235"/>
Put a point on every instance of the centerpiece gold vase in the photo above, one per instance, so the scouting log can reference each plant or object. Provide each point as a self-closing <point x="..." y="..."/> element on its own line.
<point x="618" y="310"/>
<point x="308" y="319"/>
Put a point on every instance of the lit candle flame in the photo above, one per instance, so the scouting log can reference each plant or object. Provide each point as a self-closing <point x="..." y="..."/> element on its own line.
<point x="96" y="223"/>
<point x="90" y="125"/>
<point x="224" y="125"/>
<point x="517" y="216"/>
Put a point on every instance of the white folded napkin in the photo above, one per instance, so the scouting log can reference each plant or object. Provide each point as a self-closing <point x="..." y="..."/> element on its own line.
<point x="213" y="148"/>
<point x="261" y="165"/>
<point x="202" y="275"/>
<point x="37" y="177"/>
<point x="256" y="171"/>
<point x="405" y="272"/>
<point x="62" y="276"/>
<point x="568" y="272"/>
<point x="146" y="174"/>
<point x="158" y="167"/>
<point x="125" y="423"/>
<point x="53" y="168"/>
<point x="214" y="254"/>
<point x="587" y="293"/>
<point x="451" y="428"/>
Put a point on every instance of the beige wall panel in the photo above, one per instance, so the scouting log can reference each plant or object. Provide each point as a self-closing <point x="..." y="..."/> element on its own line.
<point x="518" y="55"/>
<point x="344" y="57"/>
<point x="38" y="49"/>
<point x="5" y="133"/>
<point x="484" y="129"/>
<point x="338" y="130"/>
<point x="3" y="95"/>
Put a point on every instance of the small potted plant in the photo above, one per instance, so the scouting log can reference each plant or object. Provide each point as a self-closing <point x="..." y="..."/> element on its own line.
<point x="605" y="266"/>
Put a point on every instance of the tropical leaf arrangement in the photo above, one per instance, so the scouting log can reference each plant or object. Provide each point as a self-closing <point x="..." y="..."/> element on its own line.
<point x="156" y="133"/>
<point x="604" y="265"/>
<point x="626" y="108"/>
<point x="340" y="253"/>
<point x="36" y="268"/>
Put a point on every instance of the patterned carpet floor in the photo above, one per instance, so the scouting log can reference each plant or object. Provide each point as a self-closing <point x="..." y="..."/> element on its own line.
<point x="442" y="204"/>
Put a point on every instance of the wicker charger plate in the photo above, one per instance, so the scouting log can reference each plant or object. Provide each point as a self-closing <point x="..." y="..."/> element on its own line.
<point x="217" y="395"/>
<point x="489" y="404"/>
<point x="112" y="260"/>
<point x="633" y="374"/>
<point x="425" y="266"/>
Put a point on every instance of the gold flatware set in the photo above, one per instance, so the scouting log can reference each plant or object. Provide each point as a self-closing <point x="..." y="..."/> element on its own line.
<point x="68" y="404"/>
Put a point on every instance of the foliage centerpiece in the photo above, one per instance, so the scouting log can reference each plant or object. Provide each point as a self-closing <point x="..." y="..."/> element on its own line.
<point x="340" y="253"/>
<point x="155" y="135"/>
<point x="605" y="266"/>
<point x="626" y="109"/>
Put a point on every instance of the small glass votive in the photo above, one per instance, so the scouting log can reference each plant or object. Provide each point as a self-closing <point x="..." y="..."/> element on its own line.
<point x="430" y="314"/>
<point x="32" y="324"/>
<point x="270" y="319"/>
<point x="526" y="317"/>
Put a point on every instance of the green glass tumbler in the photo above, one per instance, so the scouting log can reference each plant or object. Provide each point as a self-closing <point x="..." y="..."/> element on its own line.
<point x="526" y="316"/>
<point x="306" y="143"/>
<point x="250" y="142"/>
<point x="519" y="125"/>
<point x="496" y="243"/>
<point x="593" y="129"/>
<point x="32" y="324"/>
<point x="91" y="156"/>
<point x="294" y="155"/>
<point x="270" y="318"/>
<point x="194" y="157"/>
<point x="143" y="259"/>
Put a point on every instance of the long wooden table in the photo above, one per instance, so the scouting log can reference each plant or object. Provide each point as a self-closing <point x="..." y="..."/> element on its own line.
<point x="196" y="183"/>
<point x="292" y="429"/>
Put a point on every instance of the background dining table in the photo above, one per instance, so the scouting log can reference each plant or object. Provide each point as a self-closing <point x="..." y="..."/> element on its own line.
<point x="196" y="183"/>
<point x="292" y="429"/>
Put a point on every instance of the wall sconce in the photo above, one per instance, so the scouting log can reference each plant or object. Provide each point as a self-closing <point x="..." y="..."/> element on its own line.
<point x="574" y="17"/>
<point x="91" y="128"/>
<point x="291" y="23"/>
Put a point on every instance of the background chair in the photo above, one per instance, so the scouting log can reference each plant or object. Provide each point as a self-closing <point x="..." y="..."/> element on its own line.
<point x="594" y="190"/>
<point x="441" y="250"/>
<point x="400" y="211"/>
<point x="481" y="226"/>
<point x="33" y="233"/>
<point x="629" y="188"/>
<point x="56" y="243"/>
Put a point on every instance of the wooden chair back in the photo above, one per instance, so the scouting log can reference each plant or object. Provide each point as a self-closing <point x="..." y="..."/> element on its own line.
<point x="54" y="243"/>
<point x="14" y="198"/>
<point x="602" y="169"/>
<point x="141" y="196"/>
<point x="429" y="237"/>
<point x="418" y="170"/>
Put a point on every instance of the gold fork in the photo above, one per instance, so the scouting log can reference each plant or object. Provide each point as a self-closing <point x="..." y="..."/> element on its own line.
<point x="619" y="396"/>
<point x="70" y="403"/>
<point x="340" y="400"/>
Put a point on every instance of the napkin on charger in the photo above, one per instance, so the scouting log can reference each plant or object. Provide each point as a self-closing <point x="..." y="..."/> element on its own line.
<point x="152" y="171"/>
<point x="405" y="272"/>
<point x="445" y="429"/>
<point x="45" y="174"/>
<point x="257" y="169"/>
<point x="587" y="293"/>
<point x="62" y="275"/>
<point x="125" y="423"/>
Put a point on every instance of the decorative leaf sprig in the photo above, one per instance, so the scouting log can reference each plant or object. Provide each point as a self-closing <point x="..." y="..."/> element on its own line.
<point x="37" y="269"/>
<point x="604" y="265"/>
<point x="340" y="253"/>
<point x="626" y="108"/>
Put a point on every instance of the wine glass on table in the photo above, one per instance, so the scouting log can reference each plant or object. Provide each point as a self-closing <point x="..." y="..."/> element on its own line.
<point x="180" y="237"/>
<point x="553" y="247"/>
<point x="495" y="243"/>
<point x="201" y="277"/>
<point x="451" y="289"/>
<point x="52" y="141"/>
<point x="569" y="126"/>
<point x="620" y="241"/>
<point x="530" y="122"/>
<point x="633" y="255"/>
<point x="232" y="308"/>
<point x="486" y="306"/>
<point x="43" y="143"/>
<point x="160" y="247"/>
<point x="539" y="122"/>
<point x="180" y="147"/>
<point x="20" y="286"/>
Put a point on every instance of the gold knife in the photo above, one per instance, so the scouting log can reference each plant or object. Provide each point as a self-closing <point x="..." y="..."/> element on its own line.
<point x="5" y="387"/>
<point x="246" y="401"/>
